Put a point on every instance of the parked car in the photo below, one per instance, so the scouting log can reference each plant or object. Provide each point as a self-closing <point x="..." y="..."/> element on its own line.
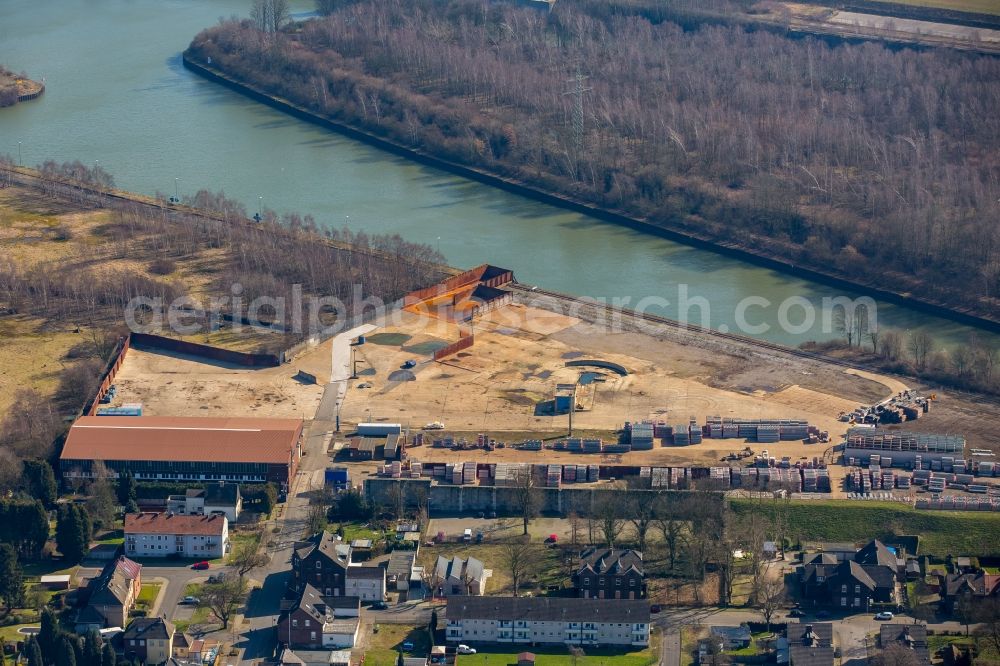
<point x="655" y="608"/>
<point x="408" y="645"/>
<point x="410" y="364"/>
<point x="379" y="605"/>
<point x="465" y="649"/>
<point x="215" y="578"/>
<point x="823" y="614"/>
<point x="364" y="385"/>
<point x="192" y="601"/>
<point x="796" y="612"/>
<point x="200" y="566"/>
<point x="884" y="615"/>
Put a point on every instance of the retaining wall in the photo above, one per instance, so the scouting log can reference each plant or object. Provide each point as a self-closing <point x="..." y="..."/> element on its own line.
<point x="452" y="500"/>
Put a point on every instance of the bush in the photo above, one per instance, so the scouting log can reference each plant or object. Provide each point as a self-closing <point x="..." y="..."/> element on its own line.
<point x="163" y="266"/>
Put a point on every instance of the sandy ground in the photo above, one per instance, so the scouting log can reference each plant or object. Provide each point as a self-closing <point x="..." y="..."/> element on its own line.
<point x="520" y="356"/>
<point x="175" y="385"/>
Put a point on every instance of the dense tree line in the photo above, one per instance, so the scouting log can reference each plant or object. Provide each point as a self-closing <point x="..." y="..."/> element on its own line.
<point x="876" y="164"/>
<point x="24" y="524"/>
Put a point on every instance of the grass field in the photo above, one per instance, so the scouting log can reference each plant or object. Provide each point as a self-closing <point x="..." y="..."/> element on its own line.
<point x="941" y="532"/>
<point x="978" y="6"/>
<point x="147" y="596"/>
<point x="384" y="647"/>
<point x="561" y="657"/>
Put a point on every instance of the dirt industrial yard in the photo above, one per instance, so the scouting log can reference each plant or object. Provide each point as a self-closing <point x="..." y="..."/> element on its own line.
<point x="520" y="356"/>
<point x="501" y="385"/>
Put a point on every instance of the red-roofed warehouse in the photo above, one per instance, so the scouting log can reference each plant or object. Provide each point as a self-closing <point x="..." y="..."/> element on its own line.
<point x="185" y="448"/>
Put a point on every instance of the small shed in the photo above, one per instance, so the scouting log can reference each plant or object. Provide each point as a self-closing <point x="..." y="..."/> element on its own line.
<point x="526" y="659"/>
<point x="55" y="582"/>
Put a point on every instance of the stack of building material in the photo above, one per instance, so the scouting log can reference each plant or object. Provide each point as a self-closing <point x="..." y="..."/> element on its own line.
<point x="469" y="472"/>
<point x="986" y="468"/>
<point x="593" y="473"/>
<point x="641" y="437"/>
<point x="720" y="476"/>
<point x="661" y="430"/>
<point x="617" y="448"/>
<point x="574" y="444"/>
<point x="569" y="473"/>
<point x="694" y="432"/>
<point x="416" y="469"/>
<point x="592" y="445"/>
<point x="678" y="477"/>
<point x="902" y="481"/>
<point x="645" y="472"/>
<point x="553" y="473"/>
<point x="660" y="477"/>
<point x="530" y="445"/>
<point x="791" y="430"/>
<point x="682" y="436"/>
<point x="767" y="433"/>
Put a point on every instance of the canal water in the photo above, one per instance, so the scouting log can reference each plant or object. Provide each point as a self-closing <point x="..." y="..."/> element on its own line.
<point x="117" y="95"/>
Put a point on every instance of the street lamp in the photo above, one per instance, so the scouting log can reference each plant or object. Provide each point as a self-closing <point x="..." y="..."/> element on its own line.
<point x="19" y="162"/>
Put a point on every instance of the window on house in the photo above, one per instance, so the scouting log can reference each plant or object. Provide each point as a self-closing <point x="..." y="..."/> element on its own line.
<point x="843" y="588"/>
<point x="312" y="635"/>
<point x="586" y="582"/>
<point x="295" y="623"/>
<point x="319" y="565"/>
<point x="857" y="589"/>
<point x="307" y="623"/>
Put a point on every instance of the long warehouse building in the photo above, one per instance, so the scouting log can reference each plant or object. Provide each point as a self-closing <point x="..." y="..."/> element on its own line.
<point x="167" y="448"/>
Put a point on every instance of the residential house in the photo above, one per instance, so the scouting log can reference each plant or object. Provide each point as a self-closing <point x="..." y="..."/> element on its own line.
<point x="165" y="534"/>
<point x="111" y="596"/>
<point x="460" y="576"/>
<point x="222" y="497"/>
<point x="316" y="621"/>
<point x="876" y="553"/>
<point x="321" y="561"/>
<point x="608" y="573"/>
<point x="911" y="636"/>
<point x="182" y="646"/>
<point x="854" y="584"/>
<point x="148" y="640"/>
<point x="810" y="644"/>
<point x="367" y="583"/>
<point x="547" y="620"/>
<point x="968" y="586"/>
<point x="732" y="638"/>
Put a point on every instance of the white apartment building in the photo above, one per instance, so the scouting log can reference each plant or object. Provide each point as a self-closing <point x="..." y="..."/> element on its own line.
<point x="552" y="620"/>
<point x="163" y="534"/>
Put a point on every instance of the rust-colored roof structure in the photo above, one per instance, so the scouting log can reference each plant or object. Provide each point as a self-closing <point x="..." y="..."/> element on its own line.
<point x="173" y="523"/>
<point x="181" y="439"/>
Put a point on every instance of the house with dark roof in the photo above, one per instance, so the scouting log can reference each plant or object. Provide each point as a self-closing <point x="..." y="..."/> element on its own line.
<point x="876" y="553"/>
<point x="460" y="576"/>
<point x="365" y="582"/>
<point x="321" y="561"/>
<point x="547" y="620"/>
<point x="910" y="636"/>
<point x="968" y="586"/>
<point x="609" y="573"/>
<point x="148" y="640"/>
<point x="111" y="596"/>
<point x="222" y="497"/>
<point x="851" y="584"/>
<point x="810" y="644"/>
<point x="316" y="621"/>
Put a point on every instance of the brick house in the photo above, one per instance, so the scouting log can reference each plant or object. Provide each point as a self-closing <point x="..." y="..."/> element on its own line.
<point x="970" y="586"/>
<point x="321" y="561"/>
<point x="851" y="584"/>
<point x="316" y="621"/>
<point x="111" y="596"/>
<point x="608" y="573"/>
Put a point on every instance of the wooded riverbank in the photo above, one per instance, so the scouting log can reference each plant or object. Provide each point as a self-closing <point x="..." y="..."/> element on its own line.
<point x="987" y="320"/>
